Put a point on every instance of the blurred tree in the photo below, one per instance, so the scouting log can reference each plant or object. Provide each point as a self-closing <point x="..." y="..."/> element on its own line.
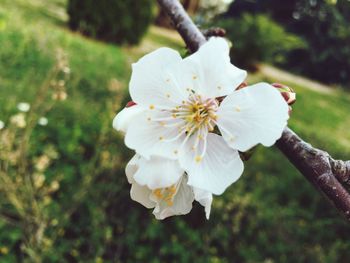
<point x="111" y="20"/>
<point x="324" y="24"/>
<point x="257" y="38"/>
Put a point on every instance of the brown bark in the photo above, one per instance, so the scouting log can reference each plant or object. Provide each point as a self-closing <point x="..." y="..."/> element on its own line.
<point x="326" y="174"/>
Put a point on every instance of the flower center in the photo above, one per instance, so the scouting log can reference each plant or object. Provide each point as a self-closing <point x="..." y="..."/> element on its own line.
<point x="197" y="113"/>
<point x="166" y="194"/>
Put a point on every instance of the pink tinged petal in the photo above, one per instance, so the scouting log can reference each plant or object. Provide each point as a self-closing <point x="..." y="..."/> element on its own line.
<point x="209" y="71"/>
<point x="255" y="114"/>
<point x="151" y="83"/>
<point x="219" y="168"/>
<point x="148" y="137"/>
<point x="182" y="202"/>
<point x="205" y="198"/>
<point x="158" y="172"/>
<point x="123" y="119"/>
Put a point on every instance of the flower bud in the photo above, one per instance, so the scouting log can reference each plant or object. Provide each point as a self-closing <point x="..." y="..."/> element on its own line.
<point x="288" y="93"/>
<point x="130" y="104"/>
<point x="242" y="85"/>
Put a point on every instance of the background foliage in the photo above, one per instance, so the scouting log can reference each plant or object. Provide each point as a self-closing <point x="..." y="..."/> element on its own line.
<point x="111" y="20"/>
<point x="257" y="38"/>
<point x="270" y="215"/>
<point x="323" y="24"/>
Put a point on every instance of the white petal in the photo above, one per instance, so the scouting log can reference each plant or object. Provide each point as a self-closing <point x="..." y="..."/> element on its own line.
<point x="158" y="172"/>
<point x="220" y="167"/>
<point x="132" y="167"/>
<point x="141" y="194"/>
<point x="138" y="193"/>
<point x="255" y="114"/>
<point x="150" y="82"/>
<point x="149" y="137"/>
<point x="209" y="71"/>
<point x="123" y="119"/>
<point x="205" y="198"/>
<point x="182" y="203"/>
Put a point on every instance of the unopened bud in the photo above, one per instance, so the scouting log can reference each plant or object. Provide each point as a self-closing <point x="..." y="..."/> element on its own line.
<point x="130" y="104"/>
<point x="288" y="93"/>
<point x="242" y="85"/>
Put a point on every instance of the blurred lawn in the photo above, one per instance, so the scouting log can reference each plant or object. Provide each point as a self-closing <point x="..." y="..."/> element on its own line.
<point x="272" y="214"/>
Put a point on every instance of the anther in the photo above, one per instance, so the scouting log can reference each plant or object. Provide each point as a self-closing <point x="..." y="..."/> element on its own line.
<point x="198" y="158"/>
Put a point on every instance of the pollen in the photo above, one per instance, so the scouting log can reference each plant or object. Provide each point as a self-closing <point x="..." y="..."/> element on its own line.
<point x="219" y="87"/>
<point x="149" y="118"/>
<point x="158" y="193"/>
<point x="176" y="152"/>
<point x="166" y="194"/>
<point x="237" y="108"/>
<point x="161" y="138"/>
<point x="167" y="80"/>
<point x="198" y="159"/>
<point x="168" y="95"/>
<point x="151" y="107"/>
<point x="194" y="77"/>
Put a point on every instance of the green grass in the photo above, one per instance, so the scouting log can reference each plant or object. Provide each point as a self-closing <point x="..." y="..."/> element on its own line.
<point x="272" y="214"/>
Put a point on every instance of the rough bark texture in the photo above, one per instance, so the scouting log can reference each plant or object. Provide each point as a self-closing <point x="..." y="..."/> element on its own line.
<point x="316" y="165"/>
<point x="183" y="24"/>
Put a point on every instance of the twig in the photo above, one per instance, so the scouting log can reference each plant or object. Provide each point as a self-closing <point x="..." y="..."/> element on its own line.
<point x="341" y="170"/>
<point x="183" y="24"/>
<point x="316" y="165"/>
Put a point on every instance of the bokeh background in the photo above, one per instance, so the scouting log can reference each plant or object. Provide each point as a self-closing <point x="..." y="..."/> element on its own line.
<point x="64" y="71"/>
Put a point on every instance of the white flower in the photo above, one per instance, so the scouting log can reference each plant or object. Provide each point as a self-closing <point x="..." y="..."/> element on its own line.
<point x="175" y="199"/>
<point x="43" y="121"/>
<point x="2" y="125"/>
<point x="125" y="117"/>
<point x="180" y="105"/>
<point x="19" y="120"/>
<point x="23" y="106"/>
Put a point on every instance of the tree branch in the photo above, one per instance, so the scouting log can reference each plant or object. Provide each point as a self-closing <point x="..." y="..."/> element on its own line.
<point x="341" y="170"/>
<point x="183" y="24"/>
<point x="316" y="165"/>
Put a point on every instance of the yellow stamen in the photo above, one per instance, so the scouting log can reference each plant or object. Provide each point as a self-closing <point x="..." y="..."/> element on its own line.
<point x="158" y="193"/>
<point x="198" y="158"/>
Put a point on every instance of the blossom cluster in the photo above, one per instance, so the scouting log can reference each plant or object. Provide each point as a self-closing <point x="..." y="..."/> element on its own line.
<point x="188" y="121"/>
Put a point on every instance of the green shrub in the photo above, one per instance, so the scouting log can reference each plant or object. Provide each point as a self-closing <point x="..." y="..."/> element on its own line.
<point x="323" y="24"/>
<point x="258" y="38"/>
<point x="111" y="20"/>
